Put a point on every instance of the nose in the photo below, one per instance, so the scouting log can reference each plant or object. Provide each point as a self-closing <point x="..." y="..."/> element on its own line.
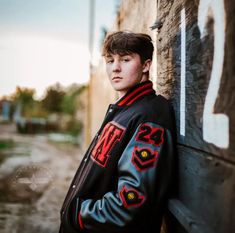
<point x="116" y="66"/>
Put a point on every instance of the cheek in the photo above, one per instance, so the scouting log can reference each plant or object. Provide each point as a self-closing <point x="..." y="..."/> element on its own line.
<point x="135" y="70"/>
<point x="108" y="71"/>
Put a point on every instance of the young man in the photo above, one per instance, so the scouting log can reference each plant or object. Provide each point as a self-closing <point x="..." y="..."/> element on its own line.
<point x="123" y="181"/>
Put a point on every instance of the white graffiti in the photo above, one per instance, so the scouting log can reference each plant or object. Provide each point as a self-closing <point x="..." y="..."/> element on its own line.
<point x="182" y="74"/>
<point x="215" y="126"/>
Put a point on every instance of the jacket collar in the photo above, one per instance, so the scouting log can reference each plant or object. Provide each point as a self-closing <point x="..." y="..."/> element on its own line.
<point x="135" y="93"/>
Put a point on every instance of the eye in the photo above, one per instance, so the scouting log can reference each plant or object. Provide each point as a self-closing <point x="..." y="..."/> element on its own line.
<point x="126" y="59"/>
<point x="109" y="61"/>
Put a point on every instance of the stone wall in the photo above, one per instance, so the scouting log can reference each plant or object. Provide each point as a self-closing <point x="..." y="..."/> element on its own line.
<point x="139" y="16"/>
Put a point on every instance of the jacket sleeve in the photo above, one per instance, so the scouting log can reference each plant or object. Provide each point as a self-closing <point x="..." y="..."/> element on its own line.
<point x="144" y="170"/>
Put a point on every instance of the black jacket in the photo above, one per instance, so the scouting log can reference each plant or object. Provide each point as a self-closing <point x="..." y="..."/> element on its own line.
<point x="123" y="181"/>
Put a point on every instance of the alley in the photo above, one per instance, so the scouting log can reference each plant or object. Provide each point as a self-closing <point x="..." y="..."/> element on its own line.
<point x="34" y="177"/>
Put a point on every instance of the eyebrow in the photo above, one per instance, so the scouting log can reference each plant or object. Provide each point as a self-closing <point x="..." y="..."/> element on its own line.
<point x="108" y="56"/>
<point x="121" y="55"/>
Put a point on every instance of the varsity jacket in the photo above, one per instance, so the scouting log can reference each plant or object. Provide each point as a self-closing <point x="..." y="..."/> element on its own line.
<point x="123" y="181"/>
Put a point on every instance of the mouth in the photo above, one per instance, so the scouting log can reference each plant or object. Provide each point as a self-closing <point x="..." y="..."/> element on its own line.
<point x="116" y="78"/>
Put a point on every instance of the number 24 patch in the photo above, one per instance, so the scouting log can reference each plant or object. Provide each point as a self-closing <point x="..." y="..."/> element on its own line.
<point x="151" y="135"/>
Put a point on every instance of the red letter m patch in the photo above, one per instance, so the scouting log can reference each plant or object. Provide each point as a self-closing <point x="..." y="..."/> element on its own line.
<point x="108" y="138"/>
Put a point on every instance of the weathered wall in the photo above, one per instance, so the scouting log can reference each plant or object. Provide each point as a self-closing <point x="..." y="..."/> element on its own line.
<point x="139" y="16"/>
<point x="195" y="68"/>
<point x="101" y="95"/>
<point x="81" y="115"/>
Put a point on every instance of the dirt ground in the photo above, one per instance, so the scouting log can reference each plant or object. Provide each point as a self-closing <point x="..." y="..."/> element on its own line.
<point x="34" y="178"/>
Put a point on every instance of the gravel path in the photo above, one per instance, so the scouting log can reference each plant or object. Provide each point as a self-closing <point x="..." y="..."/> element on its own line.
<point x="34" y="179"/>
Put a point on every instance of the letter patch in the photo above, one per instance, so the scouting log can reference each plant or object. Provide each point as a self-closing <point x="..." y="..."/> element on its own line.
<point x="108" y="138"/>
<point x="130" y="197"/>
<point x="150" y="135"/>
<point x="144" y="158"/>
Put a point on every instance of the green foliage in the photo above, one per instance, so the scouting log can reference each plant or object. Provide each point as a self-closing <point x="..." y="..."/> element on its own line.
<point x="74" y="127"/>
<point x="36" y="110"/>
<point x="58" y="102"/>
<point x="53" y="99"/>
<point x="23" y="97"/>
<point x="5" y="144"/>
<point x="69" y="103"/>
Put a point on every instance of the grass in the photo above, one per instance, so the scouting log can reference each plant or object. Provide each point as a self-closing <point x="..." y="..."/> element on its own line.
<point x="6" y="144"/>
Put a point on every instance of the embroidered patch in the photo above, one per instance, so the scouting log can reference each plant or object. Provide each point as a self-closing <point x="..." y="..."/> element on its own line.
<point x="111" y="133"/>
<point x="131" y="197"/>
<point x="150" y="135"/>
<point x="144" y="158"/>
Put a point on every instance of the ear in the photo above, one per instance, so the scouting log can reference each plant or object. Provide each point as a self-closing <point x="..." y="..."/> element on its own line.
<point x="146" y="66"/>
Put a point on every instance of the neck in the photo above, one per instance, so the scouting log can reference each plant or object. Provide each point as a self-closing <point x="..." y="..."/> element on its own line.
<point x="144" y="78"/>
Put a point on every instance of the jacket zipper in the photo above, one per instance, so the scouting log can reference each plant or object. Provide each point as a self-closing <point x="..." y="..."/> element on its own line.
<point x="75" y="189"/>
<point x="71" y="194"/>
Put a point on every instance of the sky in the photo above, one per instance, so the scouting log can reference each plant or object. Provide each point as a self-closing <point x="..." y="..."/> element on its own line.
<point x="43" y="42"/>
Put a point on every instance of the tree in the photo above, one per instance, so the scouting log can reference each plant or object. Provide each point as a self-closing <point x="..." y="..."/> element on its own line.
<point x="69" y="104"/>
<point x="23" y="96"/>
<point x="53" y="99"/>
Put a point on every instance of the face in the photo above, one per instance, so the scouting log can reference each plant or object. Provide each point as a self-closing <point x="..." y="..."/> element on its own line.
<point x="126" y="71"/>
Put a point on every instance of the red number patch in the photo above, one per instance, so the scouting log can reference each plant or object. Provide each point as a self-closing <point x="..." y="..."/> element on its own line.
<point x="150" y="135"/>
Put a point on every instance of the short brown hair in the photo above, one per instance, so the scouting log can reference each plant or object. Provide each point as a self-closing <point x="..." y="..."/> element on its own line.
<point x="126" y="42"/>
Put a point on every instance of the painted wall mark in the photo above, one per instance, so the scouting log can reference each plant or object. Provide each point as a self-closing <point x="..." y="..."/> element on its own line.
<point x="182" y="74"/>
<point x="215" y="126"/>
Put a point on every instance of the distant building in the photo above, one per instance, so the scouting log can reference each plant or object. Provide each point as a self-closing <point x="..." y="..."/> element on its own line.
<point x="5" y="110"/>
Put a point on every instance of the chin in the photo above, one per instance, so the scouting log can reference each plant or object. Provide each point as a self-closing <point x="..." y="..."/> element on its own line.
<point x="118" y="87"/>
